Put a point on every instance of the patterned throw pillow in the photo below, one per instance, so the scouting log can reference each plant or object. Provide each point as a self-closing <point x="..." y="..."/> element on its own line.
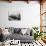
<point x="11" y="30"/>
<point x="17" y="30"/>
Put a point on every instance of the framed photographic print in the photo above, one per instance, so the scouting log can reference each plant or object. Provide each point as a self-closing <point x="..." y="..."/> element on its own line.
<point x="14" y="16"/>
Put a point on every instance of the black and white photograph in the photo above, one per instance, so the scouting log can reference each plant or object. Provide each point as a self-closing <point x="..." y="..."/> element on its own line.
<point x="14" y="16"/>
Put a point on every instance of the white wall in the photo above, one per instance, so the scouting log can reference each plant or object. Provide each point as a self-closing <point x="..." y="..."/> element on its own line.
<point x="30" y="14"/>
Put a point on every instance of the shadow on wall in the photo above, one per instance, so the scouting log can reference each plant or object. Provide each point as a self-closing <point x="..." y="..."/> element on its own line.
<point x="1" y="35"/>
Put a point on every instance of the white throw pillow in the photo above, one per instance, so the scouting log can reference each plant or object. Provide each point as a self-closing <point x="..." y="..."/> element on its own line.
<point x="5" y="32"/>
<point x="23" y="31"/>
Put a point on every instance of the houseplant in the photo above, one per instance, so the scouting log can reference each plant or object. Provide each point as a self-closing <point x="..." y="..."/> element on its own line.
<point x="37" y="34"/>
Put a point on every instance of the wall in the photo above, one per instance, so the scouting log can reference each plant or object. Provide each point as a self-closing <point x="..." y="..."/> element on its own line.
<point x="30" y="14"/>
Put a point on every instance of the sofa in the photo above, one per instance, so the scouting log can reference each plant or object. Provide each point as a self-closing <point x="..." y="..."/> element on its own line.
<point x="17" y="34"/>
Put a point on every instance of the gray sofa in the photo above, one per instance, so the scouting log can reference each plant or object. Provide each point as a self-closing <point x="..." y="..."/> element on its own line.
<point x="17" y="35"/>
